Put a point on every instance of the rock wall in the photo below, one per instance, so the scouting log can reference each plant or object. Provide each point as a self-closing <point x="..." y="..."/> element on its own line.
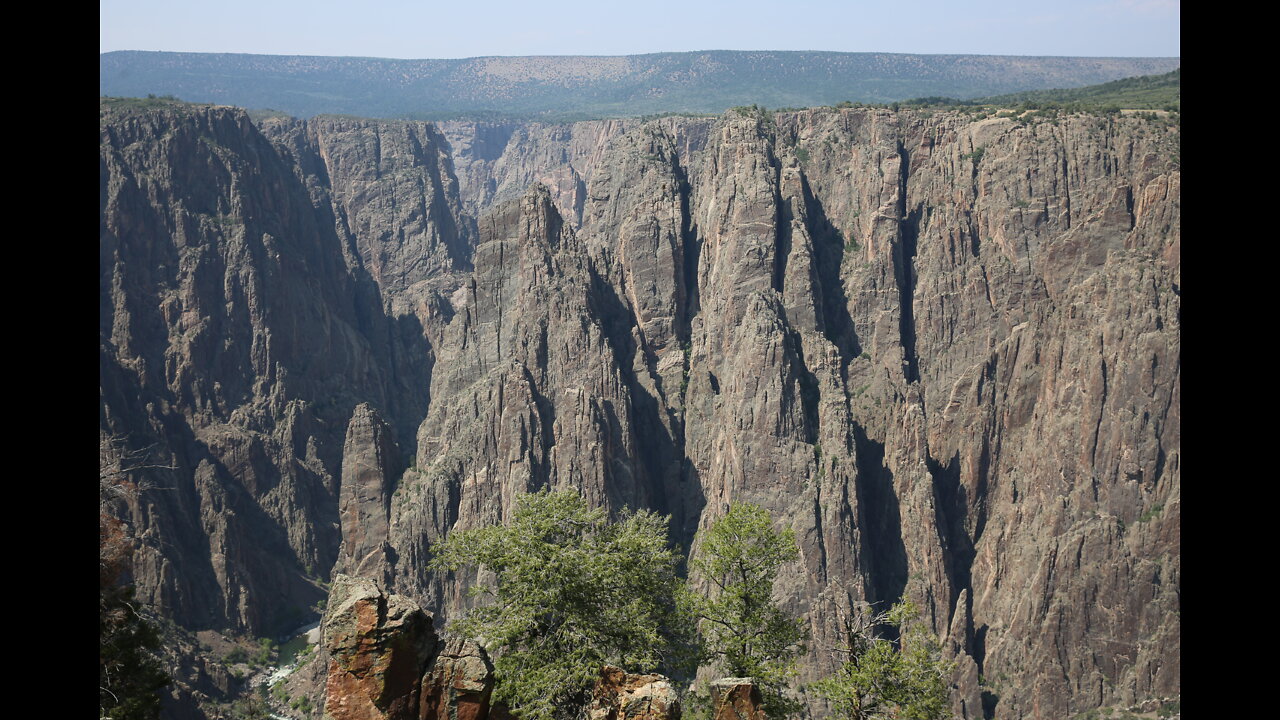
<point x="945" y="351"/>
<point x="235" y="341"/>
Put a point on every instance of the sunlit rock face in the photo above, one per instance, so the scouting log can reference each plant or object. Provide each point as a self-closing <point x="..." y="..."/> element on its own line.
<point x="945" y="351"/>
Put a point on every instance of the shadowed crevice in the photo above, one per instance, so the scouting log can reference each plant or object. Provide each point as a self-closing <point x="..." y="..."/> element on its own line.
<point x="951" y="506"/>
<point x="885" y="556"/>
<point x="904" y="269"/>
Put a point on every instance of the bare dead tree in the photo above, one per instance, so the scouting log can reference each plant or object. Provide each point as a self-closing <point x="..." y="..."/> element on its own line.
<point x="857" y="623"/>
<point x="117" y="466"/>
<point x="130" y="675"/>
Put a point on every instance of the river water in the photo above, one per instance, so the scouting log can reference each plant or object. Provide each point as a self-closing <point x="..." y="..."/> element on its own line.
<point x="297" y="641"/>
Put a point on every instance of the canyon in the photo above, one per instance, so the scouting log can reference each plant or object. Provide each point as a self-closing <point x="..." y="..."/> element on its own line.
<point x="944" y="349"/>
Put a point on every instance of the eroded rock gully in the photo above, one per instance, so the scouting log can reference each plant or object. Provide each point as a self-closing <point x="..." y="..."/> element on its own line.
<point x="945" y="351"/>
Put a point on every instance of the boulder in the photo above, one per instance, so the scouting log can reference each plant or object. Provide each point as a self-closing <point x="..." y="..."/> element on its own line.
<point x="458" y="683"/>
<point x="619" y="695"/>
<point x="378" y="646"/>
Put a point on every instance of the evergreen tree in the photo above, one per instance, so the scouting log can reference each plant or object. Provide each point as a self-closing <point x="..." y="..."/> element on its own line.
<point x="573" y="592"/>
<point x="883" y="679"/>
<point x="130" y="677"/>
<point x="745" y="634"/>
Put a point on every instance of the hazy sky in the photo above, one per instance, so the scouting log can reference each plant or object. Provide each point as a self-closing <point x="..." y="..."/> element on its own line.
<point x="470" y="28"/>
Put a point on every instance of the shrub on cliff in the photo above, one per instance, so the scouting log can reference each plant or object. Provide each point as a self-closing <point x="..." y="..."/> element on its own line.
<point x="573" y="592"/>
<point x="743" y="631"/>
<point x="881" y="679"/>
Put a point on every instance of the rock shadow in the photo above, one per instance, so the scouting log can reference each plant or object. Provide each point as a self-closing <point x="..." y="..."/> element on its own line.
<point x="829" y="247"/>
<point x="951" y="504"/>
<point x="885" y="557"/>
<point x="668" y="483"/>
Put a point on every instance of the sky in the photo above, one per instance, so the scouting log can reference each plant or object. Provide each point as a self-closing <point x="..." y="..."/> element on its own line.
<point x="473" y="28"/>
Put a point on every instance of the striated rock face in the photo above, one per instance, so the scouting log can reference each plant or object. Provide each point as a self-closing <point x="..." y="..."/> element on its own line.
<point x="497" y="162"/>
<point x="945" y="351"/>
<point x="370" y="465"/>
<point x="870" y="337"/>
<point x="378" y="647"/>
<point x="618" y="695"/>
<point x="458" y="683"/>
<point x="394" y="186"/>
<point x="235" y="340"/>
<point x="529" y="394"/>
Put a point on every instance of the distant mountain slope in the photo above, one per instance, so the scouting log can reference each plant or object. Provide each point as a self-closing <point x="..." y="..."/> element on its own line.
<point x="1148" y="92"/>
<point x="631" y="85"/>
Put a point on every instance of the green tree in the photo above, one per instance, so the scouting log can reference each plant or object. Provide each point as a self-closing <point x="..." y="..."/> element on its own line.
<point x="573" y="592"/>
<point x="129" y="677"/>
<point x="881" y="678"/>
<point x="743" y="631"/>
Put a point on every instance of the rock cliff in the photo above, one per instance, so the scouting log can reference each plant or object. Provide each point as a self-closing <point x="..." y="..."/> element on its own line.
<point x="945" y="350"/>
<point x="235" y="341"/>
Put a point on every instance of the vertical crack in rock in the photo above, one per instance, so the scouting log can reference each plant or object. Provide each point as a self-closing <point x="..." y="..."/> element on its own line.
<point x="687" y="475"/>
<point x="1102" y="409"/>
<point x="691" y="251"/>
<point x="579" y="198"/>
<point x="782" y="218"/>
<point x="904" y="269"/>
<point x="952" y="506"/>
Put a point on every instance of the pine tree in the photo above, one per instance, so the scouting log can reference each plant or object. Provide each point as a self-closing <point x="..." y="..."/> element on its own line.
<point x="744" y="632"/>
<point x="573" y="592"/>
<point x="882" y="679"/>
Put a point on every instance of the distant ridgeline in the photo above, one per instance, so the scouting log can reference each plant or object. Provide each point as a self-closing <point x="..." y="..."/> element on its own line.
<point x="1149" y="92"/>
<point x="569" y="87"/>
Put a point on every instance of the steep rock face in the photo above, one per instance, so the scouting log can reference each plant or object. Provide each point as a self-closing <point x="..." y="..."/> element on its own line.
<point x="390" y="193"/>
<point x="394" y="184"/>
<point x="397" y="208"/>
<point x="869" y="338"/>
<point x="378" y="647"/>
<point x="497" y="162"/>
<point x="529" y="394"/>
<point x="946" y="352"/>
<point x="842" y="303"/>
<point x="234" y="344"/>
<point x="756" y="414"/>
<point x="1034" y="281"/>
<point x="635" y="227"/>
<point x="709" y="251"/>
<point x="370" y="466"/>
